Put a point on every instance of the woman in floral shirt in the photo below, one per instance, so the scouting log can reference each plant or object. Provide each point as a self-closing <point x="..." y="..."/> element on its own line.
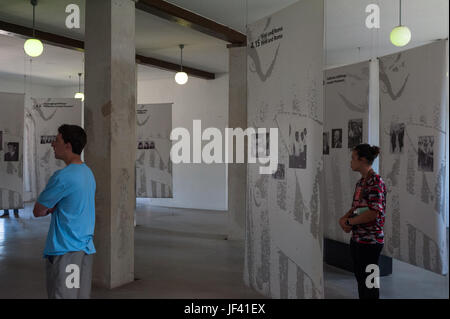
<point x="366" y="219"/>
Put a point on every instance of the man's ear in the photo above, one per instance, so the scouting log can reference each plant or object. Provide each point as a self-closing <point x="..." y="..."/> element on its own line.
<point x="68" y="147"/>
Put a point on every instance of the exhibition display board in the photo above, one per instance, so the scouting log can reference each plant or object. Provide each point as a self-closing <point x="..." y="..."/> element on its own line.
<point x="283" y="251"/>
<point x="346" y="118"/>
<point x="153" y="164"/>
<point x="11" y="150"/>
<point x="42" y="121"/>
<point x="413" y="154"/>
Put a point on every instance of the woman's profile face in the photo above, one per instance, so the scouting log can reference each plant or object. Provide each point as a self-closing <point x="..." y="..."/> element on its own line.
<point x="355" y="163"/>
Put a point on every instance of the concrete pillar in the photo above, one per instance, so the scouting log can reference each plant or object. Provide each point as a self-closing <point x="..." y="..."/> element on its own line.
<point x="110" y="87"/>
<point x="237" y="117"/>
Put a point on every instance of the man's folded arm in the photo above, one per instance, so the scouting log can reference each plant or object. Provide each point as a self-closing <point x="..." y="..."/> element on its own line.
<point x="40" y="210"/>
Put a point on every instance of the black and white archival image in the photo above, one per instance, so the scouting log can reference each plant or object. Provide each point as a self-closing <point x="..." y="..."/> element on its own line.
<point x="279" y="174"/>
<point x="297" y="148"/>
<point x="140" y="146"/>
<point x="152" y="145"/>
<point x="397" y="135"/>
<point x="260" y="145"/>
<point x="326" y="143"/>
<point x="47" y="139"/>
<point x="425" y="153"/>
<point x="355" y="132"/>
<point x="12" y="152"/>
<point x="336" y="141"/>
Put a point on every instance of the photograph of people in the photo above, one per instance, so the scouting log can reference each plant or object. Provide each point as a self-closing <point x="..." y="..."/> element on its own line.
<point x="354" y="133"/>
<point x="366" y="217"/>
<point x="13" y="152"/>
<point x="297" y="157"/>
<point x="397" y="134"/>
<point x="425" y="153"/>
<point x="337" y="138"/>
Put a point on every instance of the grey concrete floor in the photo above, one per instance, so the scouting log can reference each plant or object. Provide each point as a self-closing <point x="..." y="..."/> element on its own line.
<point x="181" y="253"/>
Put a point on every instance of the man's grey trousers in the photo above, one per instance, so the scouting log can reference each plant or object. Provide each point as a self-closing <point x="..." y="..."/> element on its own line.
<point x="69" y="276"/>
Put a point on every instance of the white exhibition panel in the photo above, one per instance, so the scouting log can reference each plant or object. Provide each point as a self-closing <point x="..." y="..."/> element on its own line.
<point x="346" y="111"/>
<point x="283" y="257"/>
<point x="413" y="161"/>
<point x="153" y="164"/>
<point x="42" y="122"/>
<point x="11" y="150"/>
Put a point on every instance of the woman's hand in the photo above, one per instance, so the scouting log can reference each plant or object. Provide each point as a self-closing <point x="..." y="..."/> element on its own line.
<point x="344" y="227"/>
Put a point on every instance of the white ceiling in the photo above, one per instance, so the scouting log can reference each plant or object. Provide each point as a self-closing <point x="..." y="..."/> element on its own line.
<point x="345" y="31"/>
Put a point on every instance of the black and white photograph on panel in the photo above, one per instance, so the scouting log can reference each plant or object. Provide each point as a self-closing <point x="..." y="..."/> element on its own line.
<point x="47" y="139"/>
<point x="146" y="145"/>
<point x="297" y="148"/>
<point x="425" y="153"/>
<point x="326" y="143"/>
<point x="260" y="145"/>
<point x="355" y="132"/>
<point x="279" y="174"/>
<point x="336" y="141"/>
<point x="12" y="152"/>
<point x="152" y="145"/>
<point x="397" y="134"/>
<point x="1" y="140"/>
<point x="140" y="146"/>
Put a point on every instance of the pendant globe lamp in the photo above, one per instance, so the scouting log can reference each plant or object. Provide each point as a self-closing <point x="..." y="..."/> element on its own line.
<point x="181" y="77"/>
<point x="401" y="35"/>
<point x="79" y="94"/>
<point x="33" y="47"/>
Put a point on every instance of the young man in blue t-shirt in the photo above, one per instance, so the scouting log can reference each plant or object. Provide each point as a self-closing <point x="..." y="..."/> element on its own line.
<point x="70" y="197"/>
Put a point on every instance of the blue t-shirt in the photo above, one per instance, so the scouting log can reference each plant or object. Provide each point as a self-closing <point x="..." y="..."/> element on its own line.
<point x="72" y="190"/>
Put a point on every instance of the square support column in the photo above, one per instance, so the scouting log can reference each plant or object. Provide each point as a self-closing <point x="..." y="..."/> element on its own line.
<point x="110" y="120"/>
<point x="237" y="117"/>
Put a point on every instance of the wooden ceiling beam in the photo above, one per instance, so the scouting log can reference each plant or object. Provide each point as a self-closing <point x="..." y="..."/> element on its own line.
<point x="191" y="20"/>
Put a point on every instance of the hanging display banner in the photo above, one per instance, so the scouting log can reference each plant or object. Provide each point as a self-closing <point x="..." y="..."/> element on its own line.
<point x="11" y="150"/>
<point x="153" y="164"/>
<point x="413" y="154"/>
<point x="346" y="121"/>
<point x="283" y="250"/>
<point x="44" y="118"/>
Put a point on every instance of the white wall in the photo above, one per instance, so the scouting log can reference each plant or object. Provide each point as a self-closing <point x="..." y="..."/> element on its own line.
<point x="30" y="89"/>
<point x="201" y="186"/>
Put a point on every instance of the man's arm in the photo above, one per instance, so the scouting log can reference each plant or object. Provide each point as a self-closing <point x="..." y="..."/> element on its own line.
<point x="40" y="210"/>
